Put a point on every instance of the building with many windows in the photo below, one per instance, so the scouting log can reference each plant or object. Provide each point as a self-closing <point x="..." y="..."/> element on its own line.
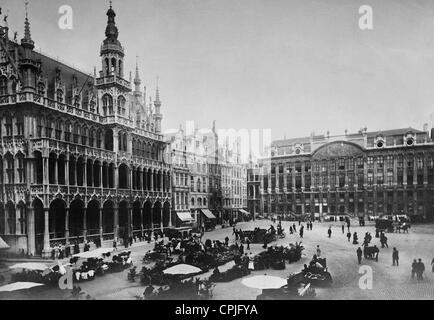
<point x="81" y="155"/>
<point x="214" y="174"/>
<point x="361" y="174"/>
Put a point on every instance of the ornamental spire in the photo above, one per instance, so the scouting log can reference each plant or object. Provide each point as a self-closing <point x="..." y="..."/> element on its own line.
<point x="27" y="40"/>
<point x="157" y="101"/>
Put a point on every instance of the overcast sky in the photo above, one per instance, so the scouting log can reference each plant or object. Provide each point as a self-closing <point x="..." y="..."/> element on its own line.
<point x="294" y="66"/>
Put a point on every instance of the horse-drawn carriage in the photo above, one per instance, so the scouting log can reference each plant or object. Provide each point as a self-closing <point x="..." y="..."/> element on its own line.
<point x="389" y="225"/>
<point x="371" y="253"/>
<point x="258" y="236"/>
<point x="384" y="225"/>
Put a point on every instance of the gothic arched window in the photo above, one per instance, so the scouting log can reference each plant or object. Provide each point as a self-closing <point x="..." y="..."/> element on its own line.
<point x="41" y="89"/>
<point x="59" y="95"/>
<point x="107" y="104"/>
<point x="13" y="85"/>
<point x="121" y="106"/>
<point x="3" y="86"/>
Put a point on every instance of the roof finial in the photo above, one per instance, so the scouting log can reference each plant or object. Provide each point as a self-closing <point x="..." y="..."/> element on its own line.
<point x="157" y="93"/>
<point x="27" y="36"/>
<point x="111" y="4"/>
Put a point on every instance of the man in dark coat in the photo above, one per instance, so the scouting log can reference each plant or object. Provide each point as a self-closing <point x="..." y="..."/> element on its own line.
<point x="420" y="269"/>
<point x="359" y="255"/>
<point x="329" y="231"/>
<point x="301" y="231"/>
<point x="395" y="257"/>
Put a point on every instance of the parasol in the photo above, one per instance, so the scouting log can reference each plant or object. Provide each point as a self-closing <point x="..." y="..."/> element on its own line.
<point x="94" y="253"/>
<point x="3" y="244"/>
<point x="264" y="282"/>
<point x="182" y="269"/>
<point x="30" y="266"/>
<point x="19" y="286"/>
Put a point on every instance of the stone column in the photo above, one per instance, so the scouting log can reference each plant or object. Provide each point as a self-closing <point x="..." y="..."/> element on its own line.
<point x="67" y="225"/>
<point x="425" y="173"/>
<point x="405" y="170"/>
<point x="101" y="229"/>
<point x="116" y="222"/>
<point x="31" y="249"/>
<point x="84" y="223"/>
<point x="116" y="177"/>
<point x="85" y="173"/>
<point x="46" y="250"/>
<point x="67" y="171"/>
<point x="56" y="171"/>
<point x="141" y="179"/>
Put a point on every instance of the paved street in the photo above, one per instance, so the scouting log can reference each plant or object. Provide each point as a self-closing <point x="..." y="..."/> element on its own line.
<point x="389" y="282"/>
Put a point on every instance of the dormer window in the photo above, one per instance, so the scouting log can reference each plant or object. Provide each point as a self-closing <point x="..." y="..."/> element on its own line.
<point x="379" y="142"/>
<point x="409" y="140"/>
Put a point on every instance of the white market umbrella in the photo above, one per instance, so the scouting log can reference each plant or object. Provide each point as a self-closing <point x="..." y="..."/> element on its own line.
<point x="30" y="266"/>
<point x="182" y="269"/>
<point x="19" y="286"/>
<point x="3" y="244"/>
<point x="94" y="253"/>
<point x="264" y="282"/>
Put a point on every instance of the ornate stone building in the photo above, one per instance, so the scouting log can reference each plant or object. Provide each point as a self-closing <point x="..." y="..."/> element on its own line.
<point x="211" y="169"/>
<point x="81" y="156"/>
<point x="360" y="174"/>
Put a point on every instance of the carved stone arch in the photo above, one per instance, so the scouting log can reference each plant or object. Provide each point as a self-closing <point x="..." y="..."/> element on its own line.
<point x="338" y="149"/>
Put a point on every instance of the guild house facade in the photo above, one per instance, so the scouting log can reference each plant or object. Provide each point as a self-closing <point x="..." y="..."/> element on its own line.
<point x="364" y="174"/>
<point x="81" y="155"/>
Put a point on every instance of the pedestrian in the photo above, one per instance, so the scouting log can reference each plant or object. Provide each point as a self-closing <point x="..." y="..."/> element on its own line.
<point x="311" y="226"/>
<point x="413" y="268"/>
<point x="227" y="241"/>
<point x="359" y="255"/>
<point x="432" y="264"/>
<point x="294" y="227"/>
<point x="343" y="228"/>
<point x="318" y="251"/>
<point x="291" y="232"/>
<point x="241" y="249"/>
<point x="301" y="231"/>
<point x="395" y="257"/>
<point x="299" y="222"/>
<point x="248" y="243"/>
<point x="385" y="242"/>
<point x="349" y="236"/>
<point x="115" y="245"/>
<point x="420" y="270"/>
<point x="355" y="238"/>
<point x="234" y="231"/>
<point x="329" y="231"/>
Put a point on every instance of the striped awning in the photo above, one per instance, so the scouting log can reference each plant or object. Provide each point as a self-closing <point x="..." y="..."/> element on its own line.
<point x="184" y="216"/>
<point x="244" y="212"/>
<point x="3" y="244"/>
<point x="208" y="214"/>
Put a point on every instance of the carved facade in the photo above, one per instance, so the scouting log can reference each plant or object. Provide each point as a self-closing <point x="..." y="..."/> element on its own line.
<point x="81" y="156"/>
<point x="361" y="174"/>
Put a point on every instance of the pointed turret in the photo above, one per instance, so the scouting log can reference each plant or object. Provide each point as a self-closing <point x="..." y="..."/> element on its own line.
<point x="158" y="115"/>
<point x="27" y="41"/>
<point x="137" y="81"/>
<point x="28" y="64"/>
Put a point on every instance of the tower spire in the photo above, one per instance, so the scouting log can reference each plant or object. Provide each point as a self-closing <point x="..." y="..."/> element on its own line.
<point x="27" y="40"/>
<point x="157" y="95"/>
